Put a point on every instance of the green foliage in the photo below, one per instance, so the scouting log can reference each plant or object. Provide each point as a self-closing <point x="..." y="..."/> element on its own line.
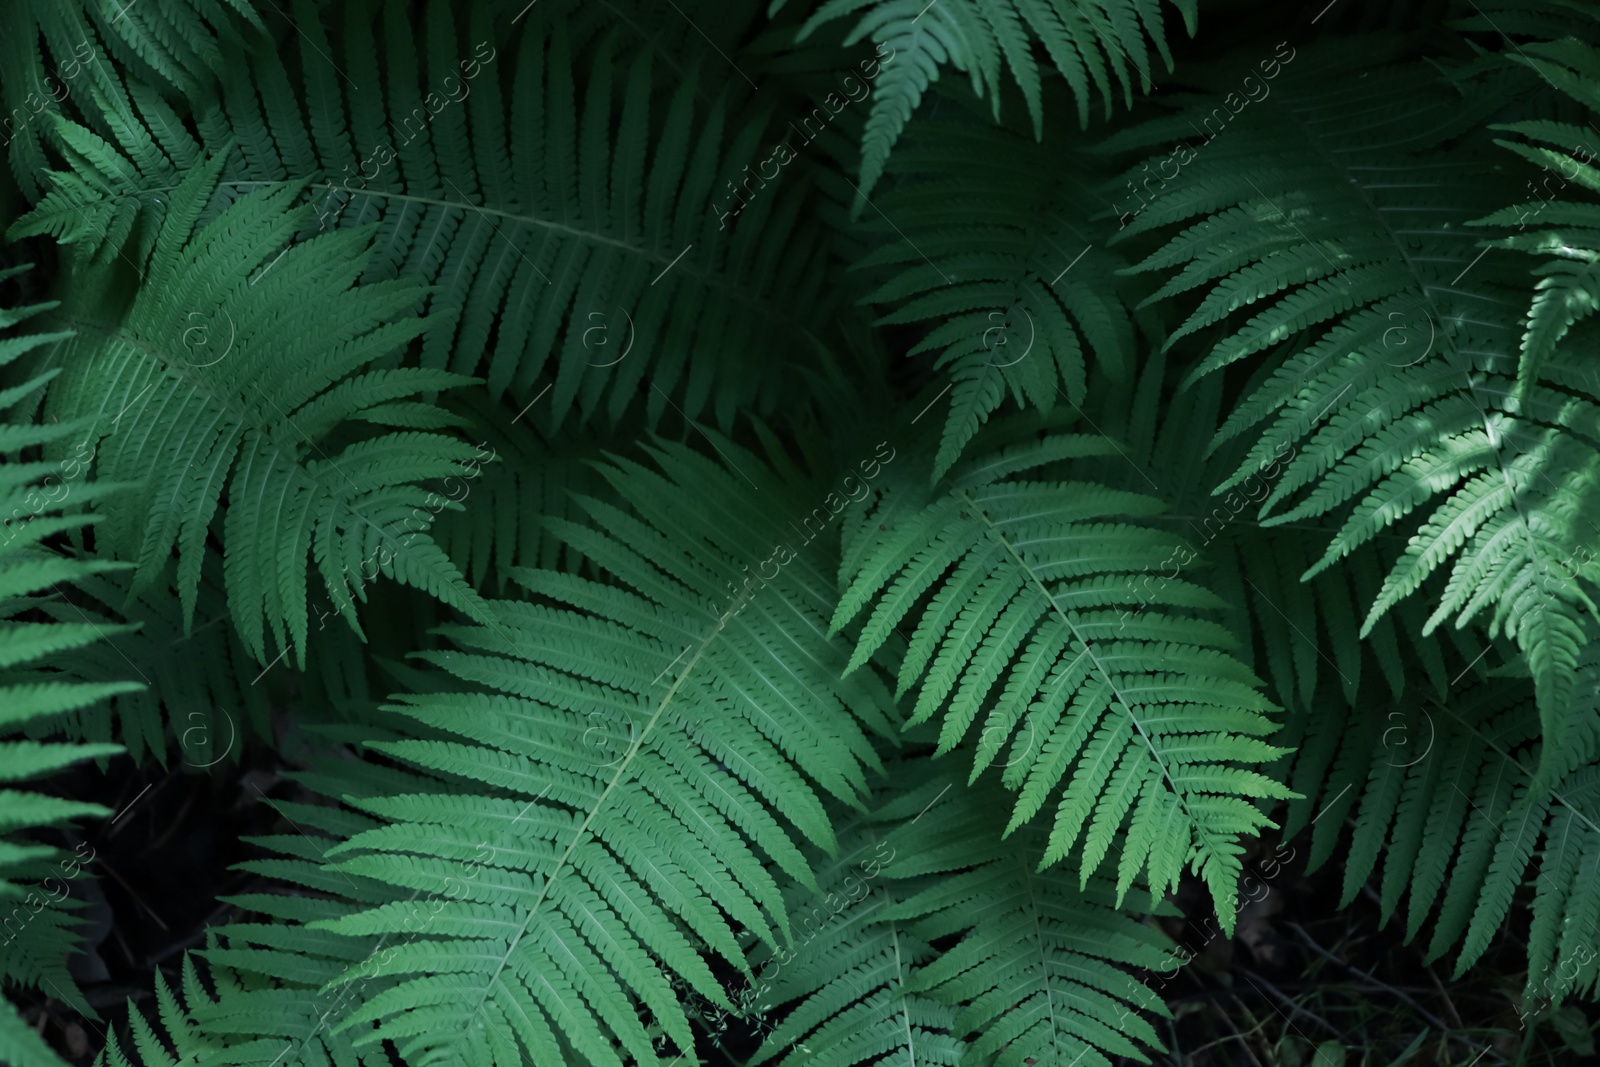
<point x="1032" y="617"/>
<point x="871" y="987"/>
<point x="999" y="252"/>
<point x="39" y="931"/>
<point x="493" y="179"/>
<point x="267" y="420"/>
<point x="722" y="718"/>
<point x="1446" y="799"/>
<point x="1374" y="430"/>
<point x="1568" y="290"/>
<point x="506" y="303"/>
<point x="1091" y="45"/>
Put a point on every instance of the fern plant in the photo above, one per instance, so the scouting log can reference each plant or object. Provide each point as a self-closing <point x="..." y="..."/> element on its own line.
<point x="1566" y="291"/>
<point x="1033" y="976"/>
<point x="1001" y="253"/>
<point x="588" y="878"/>
<point x="488" y="170"/>
<point x="587" y="325"/>
<point x="1298" y="635"/>
<point x="1459" y="819"/>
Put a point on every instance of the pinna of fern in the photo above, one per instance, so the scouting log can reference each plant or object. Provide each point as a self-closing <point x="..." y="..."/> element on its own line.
<point x="1112" y="711"/>
<point x="538" y="472"/>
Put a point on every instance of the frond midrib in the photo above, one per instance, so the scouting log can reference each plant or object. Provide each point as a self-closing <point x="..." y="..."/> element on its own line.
<point x="1088" y="647"/>
<point x="716" y="281"/>
<point x="562" y="864"/>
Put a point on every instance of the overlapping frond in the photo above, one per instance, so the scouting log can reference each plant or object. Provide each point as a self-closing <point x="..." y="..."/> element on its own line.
<point x="992" y="248"/>
<point x="560" y="205"/>
<point x="198" y="692"/>
<point x="37" y="933"/>
<point x="535" y="474"/>
<point x="271" y="410"/>
<point x="1298" y="635"/>
<point x="1451" y="818"/>
<point x="1040" y="973"/>
<point x="622" y="760"/>
<point x="1393" y="348"/>
<point x="85" y="57"/>
<point x="1100" y="49"/>
<point x="1029" y="614"/>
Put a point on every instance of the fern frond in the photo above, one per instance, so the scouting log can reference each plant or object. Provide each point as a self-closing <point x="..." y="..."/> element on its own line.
<point x="1569" y="286"/>
<point x="264" y="411"/>
<point x="486" y="164"/>
<point x="1295" y="634"/>
<point x="992" y="242"/>
<point x="1129" y="713"/>
<point x="585" y="874"/>
<point x="274" y="994"/>
<point x="1349" y="260"/>
<point x="1098" y="49"/>
<point x="1462" y="821"/>
<point x="1040" y="970"/>
<point x="75" y="57"/>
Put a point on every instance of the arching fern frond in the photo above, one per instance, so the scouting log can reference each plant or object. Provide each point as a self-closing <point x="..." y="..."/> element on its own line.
<point x="992" y="248"/>
<point x="39" y="928"/>
<point x="1098" y="48"/>
<point x="1338" y="262"/>
<point x="589" y="873"/>
<point x="1115" y="714"/>
<point x="269" y="412"/>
